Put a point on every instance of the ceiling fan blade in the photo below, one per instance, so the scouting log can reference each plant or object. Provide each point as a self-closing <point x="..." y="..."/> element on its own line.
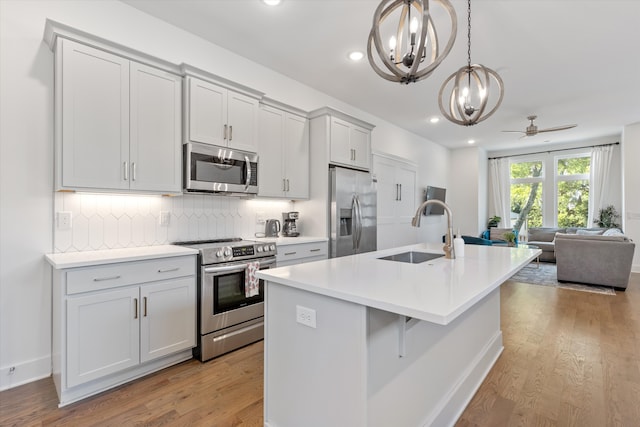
<point x="514" y="131"/>
<point x="553" y="129"/>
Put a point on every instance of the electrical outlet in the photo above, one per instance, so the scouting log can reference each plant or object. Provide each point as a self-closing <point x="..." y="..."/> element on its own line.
<point x="165" y="218"/>
<point x="64" y="220"/>
<point x="306" y="316"/>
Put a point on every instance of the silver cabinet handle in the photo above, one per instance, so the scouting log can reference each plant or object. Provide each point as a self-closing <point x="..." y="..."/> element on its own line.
<point x="400" y="192"/>
<point x="125" y="166"/>
<point x="168" y="270"/>
<point x="290" y="253"/>
<point x="314" y="250"/>
<point x="145" y="306"/>
<point x="354" y="154"/>
<point x="135" y="308"/>
<point x="224" y="136"/>
<point x="230" y="132"/>
<point x="133" y="171"/>
<point x="102" y="279"/>
<point x="288" y="188"/>
<point x="284" y="184"/>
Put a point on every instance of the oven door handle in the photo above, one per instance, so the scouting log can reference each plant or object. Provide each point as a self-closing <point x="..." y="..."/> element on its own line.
<point x="226" y="268"/>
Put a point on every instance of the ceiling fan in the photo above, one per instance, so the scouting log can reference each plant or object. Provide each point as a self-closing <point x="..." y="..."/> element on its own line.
<point x="533" y="130"/>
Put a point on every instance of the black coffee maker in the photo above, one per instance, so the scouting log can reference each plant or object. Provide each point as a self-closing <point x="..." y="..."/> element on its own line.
<point x="289" y="228"/>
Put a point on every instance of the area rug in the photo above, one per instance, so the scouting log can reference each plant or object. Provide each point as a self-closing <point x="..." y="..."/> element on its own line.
<point x="546" y="276"/>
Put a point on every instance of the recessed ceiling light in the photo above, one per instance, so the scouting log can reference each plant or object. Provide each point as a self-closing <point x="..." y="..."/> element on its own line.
<point x="271" y="2"/>
<point x="356" y="55"/>
<point x="471" y="141"/>
<point x="434" y="119"/>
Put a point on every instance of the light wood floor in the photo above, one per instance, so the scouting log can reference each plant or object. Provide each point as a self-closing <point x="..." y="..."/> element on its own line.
<point x="571" y="359"/>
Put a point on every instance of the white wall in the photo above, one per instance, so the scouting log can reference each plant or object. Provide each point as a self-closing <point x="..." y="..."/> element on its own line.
<point x="631" y="184"/>
<point x="27" y="200"/>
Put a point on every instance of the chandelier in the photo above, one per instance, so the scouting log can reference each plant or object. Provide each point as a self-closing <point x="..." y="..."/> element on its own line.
<point x="468" y="99"/>
<point x="413" y="51"/>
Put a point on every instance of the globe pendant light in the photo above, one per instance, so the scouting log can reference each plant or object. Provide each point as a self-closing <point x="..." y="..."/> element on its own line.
<point x="413" y="51"/>
<point x="469" y="96"/>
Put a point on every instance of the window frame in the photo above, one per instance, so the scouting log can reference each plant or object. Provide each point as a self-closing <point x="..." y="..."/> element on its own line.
<point x="557" y="178"/>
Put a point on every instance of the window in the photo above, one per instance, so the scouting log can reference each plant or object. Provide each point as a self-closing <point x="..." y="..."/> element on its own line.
<point x="572" y="190"/>
<point x="560" y="199"/>
<point x="527" y="180"/>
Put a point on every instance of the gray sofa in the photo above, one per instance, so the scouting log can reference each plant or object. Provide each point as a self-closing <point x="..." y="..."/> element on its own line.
<point x="596" y="260"/>
<point x="544" y="238"/>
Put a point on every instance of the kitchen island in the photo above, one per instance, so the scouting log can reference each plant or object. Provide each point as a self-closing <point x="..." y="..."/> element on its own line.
<point x="364" y="341"/>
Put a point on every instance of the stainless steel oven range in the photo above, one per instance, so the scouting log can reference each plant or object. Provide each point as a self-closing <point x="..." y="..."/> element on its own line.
<point x="230" y="297"/>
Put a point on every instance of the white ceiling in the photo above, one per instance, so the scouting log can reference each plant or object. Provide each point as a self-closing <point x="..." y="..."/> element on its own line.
<point x="568" y="61"/>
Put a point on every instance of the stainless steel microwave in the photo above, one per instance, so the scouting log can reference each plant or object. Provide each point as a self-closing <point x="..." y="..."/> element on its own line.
<point x="213" y="169"/>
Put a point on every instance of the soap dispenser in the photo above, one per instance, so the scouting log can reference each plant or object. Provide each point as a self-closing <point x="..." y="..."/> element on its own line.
<point x="458" y="245"/>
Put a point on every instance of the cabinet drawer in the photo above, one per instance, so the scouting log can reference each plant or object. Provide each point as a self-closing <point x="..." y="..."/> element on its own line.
<point x="127" y="273"/>
<point x="302" y="251"/>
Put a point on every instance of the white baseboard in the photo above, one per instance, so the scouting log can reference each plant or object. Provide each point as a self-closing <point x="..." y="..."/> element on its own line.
<point x="635" y="268"/>
<point x="24" y="372"/>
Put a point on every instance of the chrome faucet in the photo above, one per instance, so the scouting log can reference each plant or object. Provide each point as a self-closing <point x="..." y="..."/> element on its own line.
<point x="448" y="241"/>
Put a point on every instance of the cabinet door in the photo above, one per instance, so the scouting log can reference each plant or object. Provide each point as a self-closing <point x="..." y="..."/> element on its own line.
<point x="207" y="112"/>
<point x="102" y="334"/>
<point x="360" y="140"/>
<point x="340" y="147"/>
<point x="95" y="118"/>
<point x="296" y="155"/>
<point x="271" y="168"/>
<point x="168" y="317"/>
<point x="156" y="123"/>
<point x="243" y="122"/>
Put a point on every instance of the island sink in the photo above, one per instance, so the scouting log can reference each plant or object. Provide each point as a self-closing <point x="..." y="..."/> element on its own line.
<point x="412" y="257"/>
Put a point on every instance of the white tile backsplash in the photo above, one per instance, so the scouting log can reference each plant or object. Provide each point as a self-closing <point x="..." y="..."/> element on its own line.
<point x="109" y="221"/>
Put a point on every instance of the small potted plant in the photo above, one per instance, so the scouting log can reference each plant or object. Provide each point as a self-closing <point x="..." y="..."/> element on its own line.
<point x="494" y="221"/>
<point x="510" y="237"/>
<point x="607" y="217"/>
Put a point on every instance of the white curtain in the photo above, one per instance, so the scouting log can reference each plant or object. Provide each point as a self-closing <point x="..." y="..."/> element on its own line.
<point x="599" y="180"/>
<point x="500" y="182"/>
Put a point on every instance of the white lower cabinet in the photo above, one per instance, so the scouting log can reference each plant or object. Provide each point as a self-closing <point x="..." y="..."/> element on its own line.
<point x="116" y="322"/>
<point x="298" y="253"/>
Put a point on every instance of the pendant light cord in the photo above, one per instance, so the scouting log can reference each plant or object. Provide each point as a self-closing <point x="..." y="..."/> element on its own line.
<point x="469" y="33"/>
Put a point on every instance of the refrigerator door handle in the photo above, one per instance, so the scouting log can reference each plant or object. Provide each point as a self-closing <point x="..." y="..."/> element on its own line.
<point x="354" y="219"/>
<point x="359" y="222"/>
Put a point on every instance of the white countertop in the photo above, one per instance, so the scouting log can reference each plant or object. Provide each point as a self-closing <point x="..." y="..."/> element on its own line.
<point x="282" y="241"/>
<point x="437" y="291"/>
<point x="110" y="256"/>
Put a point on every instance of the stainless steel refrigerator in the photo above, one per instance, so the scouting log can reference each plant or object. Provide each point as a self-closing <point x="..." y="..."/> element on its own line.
<point x="352" y="212"/>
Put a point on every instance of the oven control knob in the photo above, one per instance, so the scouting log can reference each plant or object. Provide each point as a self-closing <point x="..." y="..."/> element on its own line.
<point x="272" y="247"/>
<point x="227" y="252"/>
<point x="259" y="249"/>
<point x="265" y="248"/>
<point x="219" y="253"/>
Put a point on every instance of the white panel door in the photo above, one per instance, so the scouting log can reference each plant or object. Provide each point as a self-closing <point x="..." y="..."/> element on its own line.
<point x="168" y="317"/>
<point x="296" y="155"/>
<point x="156" y="126"/>
<point x="207" y="112"/>
<point x="359" y="139"/>
<point x="95" y="118"/>
<point x="243" y="122"/>
<point x="102" y="334"/>
<point x="340" y="146"/>
<point x="271" y="168"/>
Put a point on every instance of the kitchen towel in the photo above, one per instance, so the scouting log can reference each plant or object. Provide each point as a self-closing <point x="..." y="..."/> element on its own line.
<point x="251" y="281"/>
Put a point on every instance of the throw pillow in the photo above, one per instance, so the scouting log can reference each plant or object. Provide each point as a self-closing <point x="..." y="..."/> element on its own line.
<point x="613" y="232"/>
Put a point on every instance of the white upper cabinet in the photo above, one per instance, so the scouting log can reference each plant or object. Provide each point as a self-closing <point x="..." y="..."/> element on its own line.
<point x="118" y="122"/>
<point x="218" y="113"/>
<point x="348" y="138"/>
<point x="156" y="125"/>
<point x="94" y="101"/>
<point x="283" y="148"/>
